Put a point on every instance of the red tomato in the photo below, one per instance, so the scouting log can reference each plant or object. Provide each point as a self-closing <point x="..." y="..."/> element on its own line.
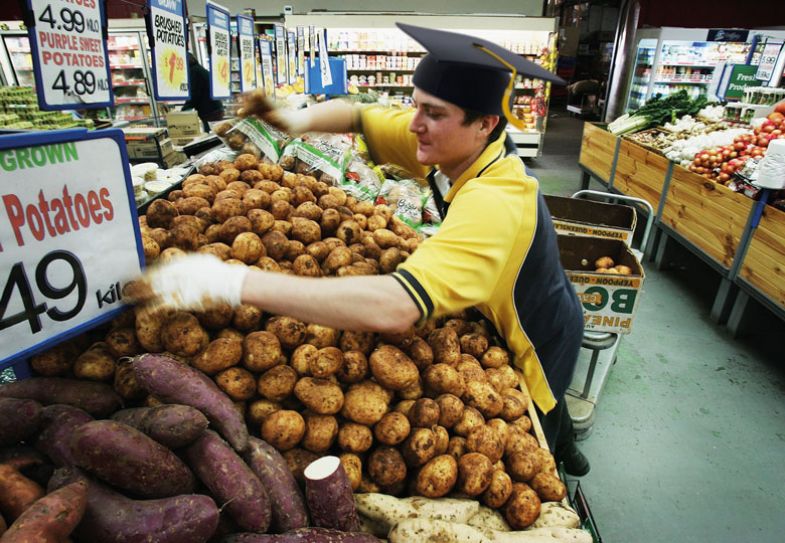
<point x="776" y="117"/>
<point x="780" y="108"/>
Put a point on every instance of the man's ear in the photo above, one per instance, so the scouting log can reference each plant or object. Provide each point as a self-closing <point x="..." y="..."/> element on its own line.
<point x="488" y="123"/>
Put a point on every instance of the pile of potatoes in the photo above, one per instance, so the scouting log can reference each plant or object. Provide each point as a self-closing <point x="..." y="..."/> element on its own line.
<point x="434" y="411"/>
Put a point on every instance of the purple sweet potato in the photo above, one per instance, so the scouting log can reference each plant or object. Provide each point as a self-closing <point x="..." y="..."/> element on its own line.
<point x="172" y="425"/>
<point x="174" y="382"/>
<point x="52" y="518"/>
<point x="126" y="458"/>
<point x="286" y="500"/>
<point x="112" y="518"/>
<point x="231" y="481"/>
<point x="58" y="424"/>
<point x="17" y="492"/>
<point x="21" y="456"/>
<point x="304" y="535"/>
<point x="98" y="399"/>
<point x="328" y="494"/>
<point x="19" y="419"/>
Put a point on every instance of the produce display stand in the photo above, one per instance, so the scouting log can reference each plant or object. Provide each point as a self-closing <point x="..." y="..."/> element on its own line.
<point x="713" y="222"/>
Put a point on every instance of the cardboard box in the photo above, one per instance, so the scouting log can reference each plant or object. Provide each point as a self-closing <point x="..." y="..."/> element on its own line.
<point x="579" y="217"/>
<point x="609" y="301"/>
<point x="147" y="143"/>
<point x="173" y="159"/>
<point x="182" y="124"/>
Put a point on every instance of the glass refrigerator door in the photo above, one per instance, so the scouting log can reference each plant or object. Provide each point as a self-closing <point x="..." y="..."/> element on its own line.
<point x="641" y="75"/>
<point x="132" y="92"/>
<point x="18" y="48"/>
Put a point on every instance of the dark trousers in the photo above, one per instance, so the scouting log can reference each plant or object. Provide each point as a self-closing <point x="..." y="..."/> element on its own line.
<point x="557" y="426"/>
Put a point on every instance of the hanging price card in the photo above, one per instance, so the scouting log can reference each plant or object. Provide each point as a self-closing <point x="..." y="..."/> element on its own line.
<point x="301" y="50"/>
<point x="292" y="57"/>
<point x="268" y="68"/>
<point x="218" y="27"/>
<point x="281" y="64"/>
<point x="170" y="65"/>
<point x="324" y="59"/>
<point x="312" y="45"/>
<point x="245" y="35"/>
<point x="69" y="54"/>
<point x="69" y="236"/>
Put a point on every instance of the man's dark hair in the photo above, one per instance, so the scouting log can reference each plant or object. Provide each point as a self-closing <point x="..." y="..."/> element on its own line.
<point x="469" y="116"/>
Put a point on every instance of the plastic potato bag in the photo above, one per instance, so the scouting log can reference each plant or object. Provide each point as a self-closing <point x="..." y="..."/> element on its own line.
<point x="324" y="156"/>
<point x="431" y="218"/>
<point x="254" y="136"/>
<point x="405" y="197"/>
<point x="361" y="181"/>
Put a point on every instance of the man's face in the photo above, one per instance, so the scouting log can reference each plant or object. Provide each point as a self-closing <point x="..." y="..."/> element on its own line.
<point x="442" y="138"/>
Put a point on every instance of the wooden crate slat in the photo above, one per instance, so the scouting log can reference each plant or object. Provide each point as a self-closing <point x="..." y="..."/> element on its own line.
<point x="764" y="262"/>
<point x="598" y="147"/>
<point x="640" y="173"/>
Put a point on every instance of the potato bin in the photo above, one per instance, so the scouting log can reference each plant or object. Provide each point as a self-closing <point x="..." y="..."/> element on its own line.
<point x="579" y="217"/>
<point x="598" y="147"/>
<point x="609" y="300"/>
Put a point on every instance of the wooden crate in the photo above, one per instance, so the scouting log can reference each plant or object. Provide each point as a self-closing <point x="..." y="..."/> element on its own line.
<point x="598" y="147"/>
<point x="640" y="172"/>
<point x="709" y="215"/>
<point x="764" y="263"/>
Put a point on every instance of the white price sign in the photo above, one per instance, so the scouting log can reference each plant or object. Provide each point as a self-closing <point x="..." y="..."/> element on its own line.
<point x="218" y="23"/>
<point x="245" y="34"/>
<point x="324" y="59"/>
<point x="69" y="54"/>
<point x="69" y="236"/>
<point x="170" y="65"/>
<point x="268" y="68"/>
<point x="281" y="65"/>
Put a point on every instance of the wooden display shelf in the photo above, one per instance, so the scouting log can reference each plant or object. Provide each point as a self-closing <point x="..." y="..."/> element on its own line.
<point x="598" y="149"/>
<point x="763" y="266"/>
<point x="709" y="215"/>
<point x="640" y="173"/>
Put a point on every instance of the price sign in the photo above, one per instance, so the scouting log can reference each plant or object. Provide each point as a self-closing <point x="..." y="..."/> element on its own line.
<point x="324" y="59"/>
<point x="268" y="75"/>
<point x="245" y="35"/>
<point x="301" y="50"/>
<point x="69" y="54"/>
<point x="312" y="45"/>
<point x="281" y="64"/>
<point x="218" y="28"/>
<point x="167" y="35"/>
<point x="768" y="59"/>
<point x="69" y="236"/>
<point x="292" y="57"/>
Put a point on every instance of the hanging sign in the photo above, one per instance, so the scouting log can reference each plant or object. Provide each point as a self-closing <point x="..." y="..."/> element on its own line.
<point x="218" y="29"/>
<point x="281" y="65"/>
<point x="324" y="62"/>
<point x="69" y="236"/>
<point x="268" y="68"/>
<point x="167" y="36"/>
<point x="312" y="45"/>
<point x="292" y="57"/>
<point x="768" y="59"/>
<point x="727" y="34"/>
<point x="245" y="39"/>
<point x="70" y="61"/>
<point x="736" y="78"/>
<point x="301" y="50"/>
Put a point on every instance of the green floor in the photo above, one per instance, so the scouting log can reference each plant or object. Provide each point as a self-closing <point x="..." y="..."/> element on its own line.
<point x="688" y="442"/>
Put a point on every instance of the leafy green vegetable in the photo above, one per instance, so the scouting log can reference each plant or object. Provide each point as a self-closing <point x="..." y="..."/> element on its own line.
<point x="659" y="110"/>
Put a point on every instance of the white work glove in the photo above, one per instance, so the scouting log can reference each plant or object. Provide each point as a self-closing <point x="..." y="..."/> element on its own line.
<point x="257" y="104"/>
<point x="196" y="282"/>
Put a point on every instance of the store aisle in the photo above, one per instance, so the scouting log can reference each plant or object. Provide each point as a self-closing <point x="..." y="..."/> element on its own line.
<point x="689" y="434"/>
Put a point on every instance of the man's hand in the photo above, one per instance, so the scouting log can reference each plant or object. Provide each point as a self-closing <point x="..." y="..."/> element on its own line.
<point x="256" y="103"/>
<point x="190" y="282"/>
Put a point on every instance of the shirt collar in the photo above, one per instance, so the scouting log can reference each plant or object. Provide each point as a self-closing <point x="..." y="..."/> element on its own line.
<point x="492" y="152"/>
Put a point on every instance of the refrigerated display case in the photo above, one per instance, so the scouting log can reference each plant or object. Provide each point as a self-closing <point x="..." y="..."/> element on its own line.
<point x="20" y="62"/>
<point x="382" y="58"/>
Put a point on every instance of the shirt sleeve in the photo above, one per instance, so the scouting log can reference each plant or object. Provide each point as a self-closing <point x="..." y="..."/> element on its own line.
<point x="461" y="265"/>
<point x="387" y="132"/>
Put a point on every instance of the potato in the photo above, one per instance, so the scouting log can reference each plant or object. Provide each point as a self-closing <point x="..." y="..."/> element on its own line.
<point x="548" y="487"/>
<point x="160" y="214"/>
<point x="523" y="466"/>
<point x="320" y="432"/>
<point x="277" y="383"/>
<point x="354" y="438"/>
<point x="220" y="354"/>
<point x="523" y="506"/>
<point x="267" y="264"/>
<point x="262" y="351"/>
<point x="298" y="459"/>
<point x="495" y="357"/>
<point x="261" y="221"/>
<point x="513" y="409"/>
<point x="326" y="363"/>
<point x="424" y="413"/>
<point x="545" y="459"/>
<point x="354" y="368"/>
<point x="456" y="447"/>
<point x="474" y="344"/>
<point x="450" y="410"/>
<point x="330" y="219"/>
<point x="321" y="396"/>
<point x="419" y="447"/>
<point x="392" y="368"/>
<point x="420" y="352"/>
<point x="442" y="438"/>
<point x="238" y="383"/>
<point x="125" y="383"/>
<point x="366" y="403"/>
<point x="281" y="209"/>
<point x="148" y="326"/>
<point x="604" y="262"/>
<point x="151" y="248"/>
<point x="474" y="473"/>
<point x="501" y="428"/>
<point x="56" y="361"/>
<point x="183" y="336"/>
<point x="283" y="429"/>
<point x="470" y="369"/>
<point x="487" y="441"/>
<point x="259" y="409"/>
<point x="357" y="341"/>
<point x="444" y="379"/>
<point x="306" y="230"/>
<point x="301" y="359"/>
<point x="438" y="477"/>
<point x="390" y="258"/>
<point x="498" y="492"/>
<point x="349" y="232"/>
<point x="446" y="346"/>
<point x="247" y="247"/>
<point x="245" y="162"/>
<point x="470" y="420"/>
<point x="484" y="398"/>
<point x="386" y="466"/>
<point x="306" y="266"/>
<point x="413" y="392"/>
<point x="290" y="332"/>
<point x="219" y="249"/>
<point x="353" y="466"/>
<point x="185" y="237"/>
<point x="337" y="258"/>
<point x="95" y="364"/>
<point x="392" y="429"/>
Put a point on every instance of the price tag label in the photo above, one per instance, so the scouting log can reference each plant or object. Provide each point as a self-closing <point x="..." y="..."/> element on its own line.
<point x="292" y="57"/>
<point x="268" y="68"/>
<point x="324" y="59"/>
<point x="218" y="25"/>
<point x="312" y="45"/>
<point x="281" y="64"/>
<point x="301" y="50"/>
<point x="70" y="62"/>
<point x="170" y="64"/>
<point x="245" y="33"/>
<point x="69" y="236"/>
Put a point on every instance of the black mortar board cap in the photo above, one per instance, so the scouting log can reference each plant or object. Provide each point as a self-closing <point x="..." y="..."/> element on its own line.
<point x="470" y="72"/>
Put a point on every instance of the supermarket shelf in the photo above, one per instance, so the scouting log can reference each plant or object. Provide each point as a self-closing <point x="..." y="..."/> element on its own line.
<point x="124" y="48"/>
<point x="380" y="70"/>
<point x="680" y="82"/>
<point x="688" y="65"/>
<point x="124" y="101"/>
<point x="124" y="66"/>
<point x="134" y="83"/>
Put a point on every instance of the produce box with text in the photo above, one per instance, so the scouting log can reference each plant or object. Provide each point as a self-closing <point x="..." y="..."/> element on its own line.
<point x="577" y="217"/>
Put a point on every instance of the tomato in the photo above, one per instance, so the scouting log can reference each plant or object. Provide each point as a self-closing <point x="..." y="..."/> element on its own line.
<point x="776" y="117"/>
<point x="769" y="128"/>
<point x="763" y="141"/>
<point x="780" y="108"/>
<point x="723" y="177"/>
